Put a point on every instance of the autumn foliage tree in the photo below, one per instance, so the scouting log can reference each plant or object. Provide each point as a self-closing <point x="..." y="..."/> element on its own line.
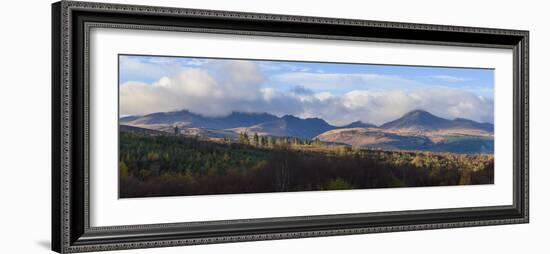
<point x="179" y="165"/>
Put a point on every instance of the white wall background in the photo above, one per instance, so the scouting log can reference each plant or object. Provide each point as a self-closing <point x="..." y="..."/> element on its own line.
<point x="25" y="128"/>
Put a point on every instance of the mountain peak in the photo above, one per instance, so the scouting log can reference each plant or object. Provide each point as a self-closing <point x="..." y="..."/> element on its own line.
<point x="417" y="112"/>
<point x="425" y="121"/>
<point x="291" y="117"/>
<point x="309" y="119"/>
<point x="359" y="124"/>
<point x="417" y="119"/>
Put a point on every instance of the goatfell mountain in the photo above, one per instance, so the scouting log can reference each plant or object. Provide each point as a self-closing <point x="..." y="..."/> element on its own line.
<point x="416" y="130"/>
<point x="424" y="121"/>
<point x="419" y="130"/>
<point x="417" y="119"/>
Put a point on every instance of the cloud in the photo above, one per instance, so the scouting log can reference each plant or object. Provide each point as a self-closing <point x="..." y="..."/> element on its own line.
<point x="301" y="90"/>
<point x="332" y="77"/>
<point x="280" y="66"/>
<point x="219" y="87"/>
<point x="205" y="92"/>
<point x="136" y="68"/>
<point x="382" y="106"/>
<point x="379" y="107"/>
<point x="152" y="68"/>
<point x="450" y="78"/>
<point x="343" y="82"/>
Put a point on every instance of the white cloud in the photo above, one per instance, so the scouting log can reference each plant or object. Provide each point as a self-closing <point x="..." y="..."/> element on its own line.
<point x="323" y="96"/>
<point x="332" y="77"/>
<point x="382" y="106"/>
<point x="450" y="78"/>
<point x="338" y="82"/>
<point x="195" y="89"/>
<point x="279" y="66"/>
<point x="379" y="107"/>
<point x="225" y="86"/>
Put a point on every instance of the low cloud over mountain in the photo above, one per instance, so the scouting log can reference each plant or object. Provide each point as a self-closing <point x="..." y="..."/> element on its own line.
<point x="217" y="88"/>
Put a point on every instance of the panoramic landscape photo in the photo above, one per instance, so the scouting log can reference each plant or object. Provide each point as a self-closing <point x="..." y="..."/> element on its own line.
<point x="204" y="126"/>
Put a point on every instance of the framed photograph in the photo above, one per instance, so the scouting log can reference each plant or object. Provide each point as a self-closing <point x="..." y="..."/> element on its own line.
<point x="177" y="126"/>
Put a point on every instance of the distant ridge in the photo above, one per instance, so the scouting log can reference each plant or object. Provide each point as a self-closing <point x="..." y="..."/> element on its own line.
<point x="415" y="130"/>
<point x="420" y="120"/>
<point x="290" y="126"/>
<point x="184" y="118"/>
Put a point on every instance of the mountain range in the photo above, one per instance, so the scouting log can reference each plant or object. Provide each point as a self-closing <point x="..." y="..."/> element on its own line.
<point x="415" y="130"/>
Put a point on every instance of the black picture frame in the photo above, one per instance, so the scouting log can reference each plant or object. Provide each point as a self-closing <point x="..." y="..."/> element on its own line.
<point x="71" y="22"/>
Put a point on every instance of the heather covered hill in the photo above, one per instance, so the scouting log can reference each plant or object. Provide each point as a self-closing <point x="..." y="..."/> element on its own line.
<point x="375" y="139"/>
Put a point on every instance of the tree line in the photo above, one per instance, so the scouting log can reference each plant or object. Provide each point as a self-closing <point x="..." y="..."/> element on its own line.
<point x="271" y="141"/>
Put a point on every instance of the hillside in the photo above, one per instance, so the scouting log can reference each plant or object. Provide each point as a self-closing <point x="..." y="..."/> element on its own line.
<point x="381" y="139"/>
<point x="165" y="165"/>
<point x="415" y="130"/>
<point x="375" y="138"/>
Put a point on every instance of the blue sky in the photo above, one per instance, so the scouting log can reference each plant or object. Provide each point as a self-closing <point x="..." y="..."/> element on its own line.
<point x="337" y="92"/>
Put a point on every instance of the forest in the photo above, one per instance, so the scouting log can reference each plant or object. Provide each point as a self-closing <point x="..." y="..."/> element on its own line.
<point x="170" y="165"/>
